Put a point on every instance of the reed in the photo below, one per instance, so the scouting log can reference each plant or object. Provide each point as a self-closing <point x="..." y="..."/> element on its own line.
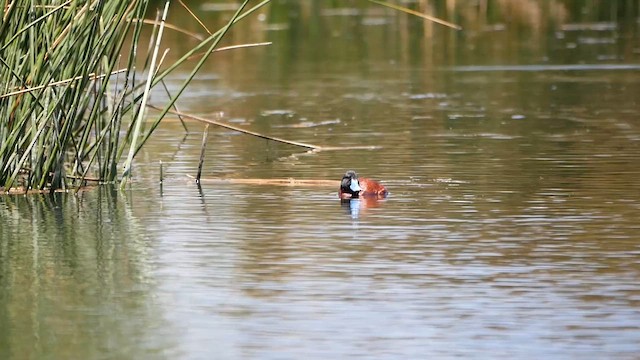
<point x="67" y="117"/>
<point x="72" y="101"/>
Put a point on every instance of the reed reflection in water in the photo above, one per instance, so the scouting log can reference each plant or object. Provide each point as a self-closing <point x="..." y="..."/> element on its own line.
<point x="74" y="278"/>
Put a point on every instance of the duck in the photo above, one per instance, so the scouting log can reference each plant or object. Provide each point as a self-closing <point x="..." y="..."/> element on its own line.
<point x="353" y="187"/>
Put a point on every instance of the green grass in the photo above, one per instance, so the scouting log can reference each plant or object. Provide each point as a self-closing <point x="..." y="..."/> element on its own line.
<point x="72" y="102"/>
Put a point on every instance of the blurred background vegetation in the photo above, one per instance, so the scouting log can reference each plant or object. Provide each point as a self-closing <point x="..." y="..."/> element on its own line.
<point x="494" y="32"/>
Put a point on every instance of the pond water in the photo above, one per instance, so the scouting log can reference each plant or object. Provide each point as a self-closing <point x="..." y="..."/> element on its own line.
<point x="511" y="152"/>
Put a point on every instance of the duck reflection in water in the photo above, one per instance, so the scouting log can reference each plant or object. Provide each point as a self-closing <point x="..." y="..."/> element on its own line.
<point x="358" y="206"/>
<point x="359" y="194"/>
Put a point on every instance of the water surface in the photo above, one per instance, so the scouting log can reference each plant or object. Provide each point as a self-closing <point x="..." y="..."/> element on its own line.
<point x="511" y="230"/>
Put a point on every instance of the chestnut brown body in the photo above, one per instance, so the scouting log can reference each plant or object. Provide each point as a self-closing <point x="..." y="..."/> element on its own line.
<point x="353" y="187"/>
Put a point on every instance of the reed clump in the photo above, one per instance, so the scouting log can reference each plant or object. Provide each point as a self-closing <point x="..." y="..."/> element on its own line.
<point x="71" y="98"/>
<point x="64" y="99"/>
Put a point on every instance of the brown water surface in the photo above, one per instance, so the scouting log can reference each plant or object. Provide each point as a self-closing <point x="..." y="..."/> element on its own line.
<point x="511" y="151"/>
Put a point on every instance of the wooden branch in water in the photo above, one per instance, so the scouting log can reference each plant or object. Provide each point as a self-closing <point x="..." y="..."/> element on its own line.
<point x="313" y="148"/>
<point x="244" y="131"/>
<point x="275" y="182"/>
